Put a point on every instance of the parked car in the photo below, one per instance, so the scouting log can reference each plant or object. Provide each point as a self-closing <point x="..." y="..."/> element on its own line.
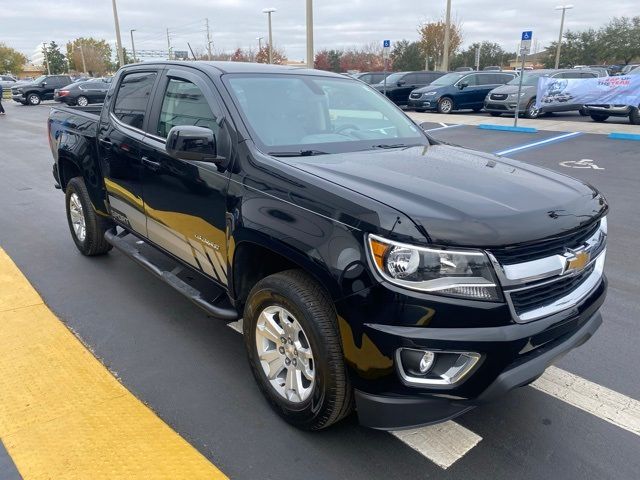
<point x="464" y="69"/>
<point x="492" y="68"/>
<point x="628" y="68"/>
<point x="458" y="91"/>
<point x="371" y="77"/>
<point x="504" y="99"/>
<point x="600" y="112"/>
<point x="371" y="265"/>
<point x="401" y="84"/>
<point x="42" y="88"/>
<point x="83" y="93"/>
<point x="7" y="81"/>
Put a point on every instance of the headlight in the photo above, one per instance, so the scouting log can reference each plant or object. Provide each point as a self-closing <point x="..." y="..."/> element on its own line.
<point x="429" y="93"/>
<point x="456" y="273"/>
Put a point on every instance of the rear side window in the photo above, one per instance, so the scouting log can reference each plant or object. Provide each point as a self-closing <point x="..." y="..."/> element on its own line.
<point x="410" y="79"/>
<point x="184" y="104"/>
<point x="132" y="98"/>
<point x="504" y="78"/>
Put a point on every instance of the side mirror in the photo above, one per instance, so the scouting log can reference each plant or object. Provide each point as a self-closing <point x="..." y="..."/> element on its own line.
<point x="462" y="86"/>
<point x="43" y="84"/>
<point x="401" y="83"/>
<point x="186" y="142"/>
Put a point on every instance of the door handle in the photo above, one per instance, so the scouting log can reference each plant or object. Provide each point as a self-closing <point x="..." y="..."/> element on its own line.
<point x="106" y="143"/>
<point x="151" y="164"/>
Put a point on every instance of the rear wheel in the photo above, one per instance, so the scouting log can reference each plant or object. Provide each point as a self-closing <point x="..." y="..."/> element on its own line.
<point x="33" y="99"/>
<point x="445" y="105"/>
<point x="87" y="228"/>
<point x="82" y="101"/>
<point x="294" y="349"/>
<point x="597" y="117"/>
<point x="583" y="112"/>
<point x="634" y="116"/>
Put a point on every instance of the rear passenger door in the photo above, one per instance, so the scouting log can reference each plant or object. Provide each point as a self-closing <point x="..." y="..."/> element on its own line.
<point x="120" y="136"/>
<point x="185" y="201"/>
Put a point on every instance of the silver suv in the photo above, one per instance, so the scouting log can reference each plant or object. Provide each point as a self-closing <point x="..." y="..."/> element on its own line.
<point x="503" y="99"/>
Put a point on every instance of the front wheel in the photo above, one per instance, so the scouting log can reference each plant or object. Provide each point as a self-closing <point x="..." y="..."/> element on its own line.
<point x="445" y="105"/>
<point x="634" y="116"/>
<point x="33" y="99"/>
<point x="583" y="112"/>
<point x="87" y="228"/>
<point x="531" y="110"/>
<point x="294" y="349"/>
<point x="597" y="117"/>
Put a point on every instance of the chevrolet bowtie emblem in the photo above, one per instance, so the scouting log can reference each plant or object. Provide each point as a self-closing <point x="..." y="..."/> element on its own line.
<point x="577" y="262"/>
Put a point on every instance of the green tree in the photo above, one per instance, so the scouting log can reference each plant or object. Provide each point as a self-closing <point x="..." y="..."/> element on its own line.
<point x="621" y="39"/>
<point x="11" y="60"/>
<point x="490" y="54"/>
<point x="407" y="55"/>
<point x="97" y="55"/>
<point x="55" y="59"/>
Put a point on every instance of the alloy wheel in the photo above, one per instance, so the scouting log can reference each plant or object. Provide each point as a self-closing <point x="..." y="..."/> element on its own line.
<point x="77" y="217"/>
<point x="285" y="354"/>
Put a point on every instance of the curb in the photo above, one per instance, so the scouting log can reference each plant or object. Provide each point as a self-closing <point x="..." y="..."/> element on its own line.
<point x="505" y="128"/>
<point x="624" y="136"/>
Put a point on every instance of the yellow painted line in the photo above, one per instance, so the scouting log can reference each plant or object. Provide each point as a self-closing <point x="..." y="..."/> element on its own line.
<point x="63" y="415"/>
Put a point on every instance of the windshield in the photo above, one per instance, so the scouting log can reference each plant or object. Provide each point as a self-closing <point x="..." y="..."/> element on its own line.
<point x="448" y="79"/>
<point x="528" y="79"/>
<point x="40" y="79"/>
<point x="296" y="113"/>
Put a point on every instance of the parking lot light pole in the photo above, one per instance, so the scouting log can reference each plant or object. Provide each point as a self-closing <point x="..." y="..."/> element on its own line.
<point x="447" y="37"/>
<point x="564" y="8"/>
<point x="269" y="11"/>
<point x="118" y="39"/>
<point x="84" y="64"/>
<point x="310" y="55"/>
<point x="133" y="45"/>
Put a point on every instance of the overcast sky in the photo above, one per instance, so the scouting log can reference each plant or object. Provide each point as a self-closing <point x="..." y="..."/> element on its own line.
<point x="338" y="23"/>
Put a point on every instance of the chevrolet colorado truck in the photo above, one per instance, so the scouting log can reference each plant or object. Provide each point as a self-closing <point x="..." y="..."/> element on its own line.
<point x="373" y="267"/>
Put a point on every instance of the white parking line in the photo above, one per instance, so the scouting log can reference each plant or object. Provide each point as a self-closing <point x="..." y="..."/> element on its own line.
<point x="443" y="444"/>
<point x="443" y="124"/>
<point x="595" y="399"/>
<point x="443" y="128"/>
<point x="237" y="326"/>
<point x="526" y="146"/>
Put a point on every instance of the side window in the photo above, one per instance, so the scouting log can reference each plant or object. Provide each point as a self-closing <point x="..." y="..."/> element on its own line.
<point x="570" y="75"/>
<point x="470" y="80"/>
<point x="184" y="104"/>
<point x="487" y="79"/>
<point x="588" y="75"/>
<point x="132" y="98"/>
<point x="410" y="79"/>
<point x="423" y="79"/>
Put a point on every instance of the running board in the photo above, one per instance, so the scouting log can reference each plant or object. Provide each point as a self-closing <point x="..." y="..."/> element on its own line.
<point x="117" y="240"/>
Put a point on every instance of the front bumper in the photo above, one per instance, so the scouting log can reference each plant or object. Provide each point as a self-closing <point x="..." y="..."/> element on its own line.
<point x="424" y="103"/>
<point x="512" y="354"/>
<point x="613" y="110"/>
<point x="503" y="106"/>
<point x="401" y="412"/>
<point x="18" y="97"/>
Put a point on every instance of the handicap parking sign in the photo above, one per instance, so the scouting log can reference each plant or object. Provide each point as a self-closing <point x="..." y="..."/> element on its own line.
<point x="527" y="35"/>
<point x="386" y="43"/>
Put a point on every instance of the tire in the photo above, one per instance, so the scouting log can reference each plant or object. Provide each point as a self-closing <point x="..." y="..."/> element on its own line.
<point x="329" y="398"/>
<point x="82" y="101"/>
<point x="445" y="105"/>
<point x="531" y="110"/>
<point x="495" y="114"/>
<point x="634" y="116"/>
<point x="598" y="117"/>
<point x="583" y="112"/>
<point x="33" y="99"/>
<point x="79" y="206"/>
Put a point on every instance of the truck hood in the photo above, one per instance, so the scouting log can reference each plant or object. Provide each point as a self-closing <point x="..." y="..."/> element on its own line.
<point x="463" y="197"/>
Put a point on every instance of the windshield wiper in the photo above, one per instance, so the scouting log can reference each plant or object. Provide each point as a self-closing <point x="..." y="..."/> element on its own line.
<point x="394" y="145"/>
<point x="299" y="153"/>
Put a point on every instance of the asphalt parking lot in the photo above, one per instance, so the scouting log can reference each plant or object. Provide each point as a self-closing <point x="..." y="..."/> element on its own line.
<point x="191" y="369"/>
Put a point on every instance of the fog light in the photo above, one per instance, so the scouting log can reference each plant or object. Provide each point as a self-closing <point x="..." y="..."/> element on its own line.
<point x="426" y="362"/>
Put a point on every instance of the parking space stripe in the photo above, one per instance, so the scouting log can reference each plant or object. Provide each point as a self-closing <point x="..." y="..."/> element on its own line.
<point x="62" y="413"/>
<point x="595" y="399"/>
<point x="443" y="128"/>
<point x="528" y="146"/>
<point x="443" y="444"/>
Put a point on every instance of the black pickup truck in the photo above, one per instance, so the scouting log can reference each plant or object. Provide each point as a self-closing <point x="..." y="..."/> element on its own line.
<point x="373" y="267"/>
